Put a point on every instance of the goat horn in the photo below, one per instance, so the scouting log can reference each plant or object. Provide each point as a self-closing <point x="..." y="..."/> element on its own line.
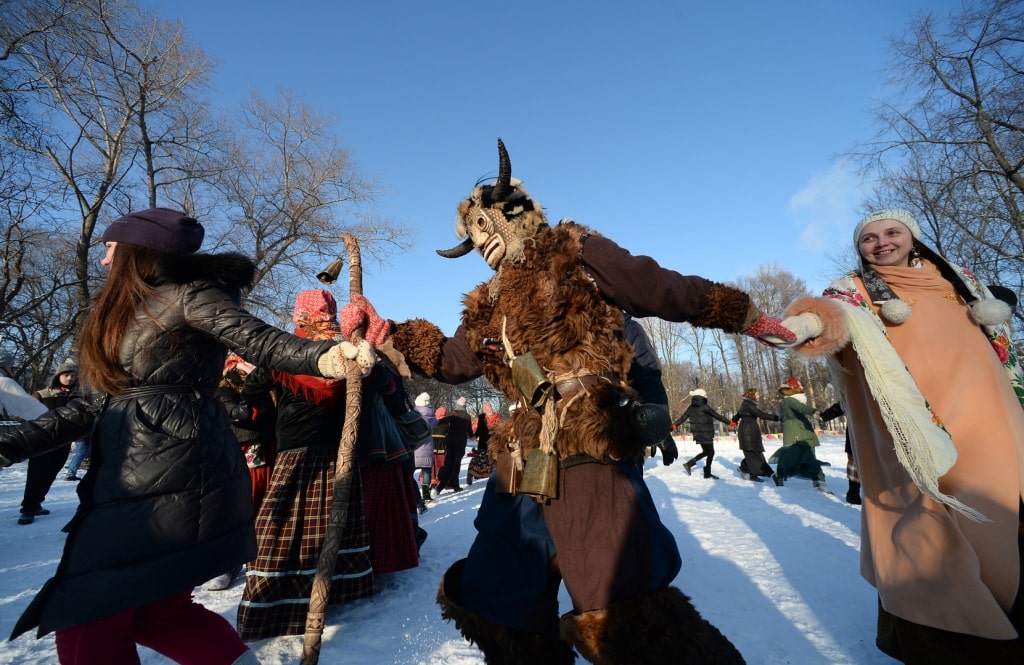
<point x="501" y="186"/>
<point x="463" y="248"/>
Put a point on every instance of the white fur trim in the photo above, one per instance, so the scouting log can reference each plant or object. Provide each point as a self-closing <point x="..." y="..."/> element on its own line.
<point x="895" y="311"/>
<point x="990" y="312"/>
<point x="699" y="392"/>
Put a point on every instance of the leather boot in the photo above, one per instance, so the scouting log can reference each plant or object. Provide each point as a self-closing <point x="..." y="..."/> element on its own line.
<point x="426" y="493"/>
<point x="659" y="627"/>
<point x="500" y="644"/>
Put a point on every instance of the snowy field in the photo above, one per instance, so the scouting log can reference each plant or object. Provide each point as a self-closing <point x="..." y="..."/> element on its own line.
<point x="774" y="568"/>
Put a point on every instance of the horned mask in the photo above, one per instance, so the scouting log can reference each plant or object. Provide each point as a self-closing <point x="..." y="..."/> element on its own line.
<point x="497" y="219"/>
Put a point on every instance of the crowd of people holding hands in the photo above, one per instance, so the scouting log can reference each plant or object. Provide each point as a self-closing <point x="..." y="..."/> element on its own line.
<point x="222" y="434"/>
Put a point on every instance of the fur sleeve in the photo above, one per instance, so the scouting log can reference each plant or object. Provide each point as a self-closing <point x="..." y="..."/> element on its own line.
<point x="727" y="308"/>
<point x="834" y="335"/>
<point x="420" y="341"/>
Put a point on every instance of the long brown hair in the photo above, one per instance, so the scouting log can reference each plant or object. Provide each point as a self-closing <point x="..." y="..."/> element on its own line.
<point x="129" y="284"/>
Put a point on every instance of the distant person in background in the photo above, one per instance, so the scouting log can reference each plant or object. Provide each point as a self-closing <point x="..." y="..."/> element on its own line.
<point x="932" y="389"/>
<point x="440" y="433"/>
<point x="796" y="457"/>
<point x="458" y="424"/>
<point x="423" y="457"/>
<point x="853" y="492"/>
<point x="79" y="453"/>
<point x="748" y="433"/>
<point x="43" y="469"/>
<point x="701" y="417"/>
<point x="480" y="464"/>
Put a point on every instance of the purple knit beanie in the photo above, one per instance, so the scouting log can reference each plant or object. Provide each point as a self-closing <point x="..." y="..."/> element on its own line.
<point x="160" y="229"/>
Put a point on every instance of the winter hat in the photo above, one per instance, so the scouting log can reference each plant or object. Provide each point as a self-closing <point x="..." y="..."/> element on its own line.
<point x="315" y="306"/>
<point x="792" y="386"/>
<point x="699" y="392"/>
<point x="423" y="399"/>
<point x="66" y="367"/>
<point x="904" y="217"/>
<point x="160" y="229"/>
<point x="461" y="402"/>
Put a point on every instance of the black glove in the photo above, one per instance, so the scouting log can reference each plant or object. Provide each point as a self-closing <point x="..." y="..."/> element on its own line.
<point x="669" y="452"/>
<point x="240" y="411"/>
<point x="6" y="461"/>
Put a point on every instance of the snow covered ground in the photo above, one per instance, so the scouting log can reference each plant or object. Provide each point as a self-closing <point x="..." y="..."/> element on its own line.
<point x="776" y="569"/>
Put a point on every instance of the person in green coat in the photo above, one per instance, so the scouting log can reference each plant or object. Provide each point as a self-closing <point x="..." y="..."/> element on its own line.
<point x="796" y="457"/>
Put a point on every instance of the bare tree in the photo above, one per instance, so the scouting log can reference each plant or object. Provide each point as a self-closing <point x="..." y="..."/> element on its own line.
<point x="101" y="82"/>
<point x="293" y="192"/>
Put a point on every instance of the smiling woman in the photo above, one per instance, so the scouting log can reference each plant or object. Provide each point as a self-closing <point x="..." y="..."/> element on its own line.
<point x="886" y="242"/>
<point x="933" y="392"/>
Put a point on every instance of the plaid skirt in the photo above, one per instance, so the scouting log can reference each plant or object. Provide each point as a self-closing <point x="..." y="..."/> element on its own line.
<point x="290" y="531"/>
<point x="392" y="512"/>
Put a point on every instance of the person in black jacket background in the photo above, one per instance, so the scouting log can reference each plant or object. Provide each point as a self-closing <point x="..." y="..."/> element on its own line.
<point x="748" y="433"/>
<point x="702" y="426"/>
<point x="165" y="504"/>
<point x="43" y="469"/>
<point x="853" y="491"/>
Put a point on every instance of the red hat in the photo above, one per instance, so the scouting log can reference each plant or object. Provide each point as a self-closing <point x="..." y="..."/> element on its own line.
<point x="793" y="384"/>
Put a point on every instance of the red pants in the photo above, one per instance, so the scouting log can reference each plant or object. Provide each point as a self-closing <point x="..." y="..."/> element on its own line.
<point x="184" y="631"/>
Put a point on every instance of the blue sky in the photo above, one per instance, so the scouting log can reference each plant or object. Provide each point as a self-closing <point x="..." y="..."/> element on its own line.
<point x="707" y="135"/>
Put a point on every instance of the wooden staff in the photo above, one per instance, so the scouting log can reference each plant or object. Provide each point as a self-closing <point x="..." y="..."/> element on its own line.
<point x="342" y="474"/>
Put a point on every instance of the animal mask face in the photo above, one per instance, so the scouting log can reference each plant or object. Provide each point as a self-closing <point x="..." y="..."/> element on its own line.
<point x="496" y="219"/>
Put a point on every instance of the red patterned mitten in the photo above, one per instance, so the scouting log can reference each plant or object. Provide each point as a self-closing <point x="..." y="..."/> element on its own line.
<point x="360" y="313"/>
<point x="770" y="330"/>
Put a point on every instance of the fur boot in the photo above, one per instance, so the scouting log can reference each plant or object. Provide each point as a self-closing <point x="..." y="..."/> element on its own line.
<point x="658" y="627"/>
<point x="501" y="645"/>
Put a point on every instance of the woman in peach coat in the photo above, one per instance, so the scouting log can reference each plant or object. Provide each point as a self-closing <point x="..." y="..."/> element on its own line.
<point x="932" y="389"/>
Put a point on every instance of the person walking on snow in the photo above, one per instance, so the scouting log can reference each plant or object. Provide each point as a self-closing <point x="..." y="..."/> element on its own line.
<point x="748" y="433"/>
<point x="701" y="417"/>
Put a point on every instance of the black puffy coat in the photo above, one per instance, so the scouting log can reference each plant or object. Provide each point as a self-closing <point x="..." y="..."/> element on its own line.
<point x="701" y="417"/>
<point x="166" y="503"/>
<point x="748" y="432"/>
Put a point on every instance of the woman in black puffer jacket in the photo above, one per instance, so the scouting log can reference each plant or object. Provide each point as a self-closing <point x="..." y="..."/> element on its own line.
<point x="166" y="502"/>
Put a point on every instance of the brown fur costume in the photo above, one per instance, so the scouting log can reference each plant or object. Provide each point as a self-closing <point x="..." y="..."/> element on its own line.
<point x="500" y="645"/>
<point x="547" y="305"/>
<point x="611" y="636"/>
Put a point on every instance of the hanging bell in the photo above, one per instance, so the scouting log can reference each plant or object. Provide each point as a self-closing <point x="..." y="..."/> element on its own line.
<point x="330" y="274"/>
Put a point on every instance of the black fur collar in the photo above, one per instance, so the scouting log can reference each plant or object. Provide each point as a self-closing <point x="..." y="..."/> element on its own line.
<point x="230" y="271"/>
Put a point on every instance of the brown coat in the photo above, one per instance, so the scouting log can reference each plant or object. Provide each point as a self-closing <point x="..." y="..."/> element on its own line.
<point x="931" y="564"/>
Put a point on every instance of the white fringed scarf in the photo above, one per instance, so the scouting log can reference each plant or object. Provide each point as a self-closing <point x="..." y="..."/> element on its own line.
<point x="923" y="448"/>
